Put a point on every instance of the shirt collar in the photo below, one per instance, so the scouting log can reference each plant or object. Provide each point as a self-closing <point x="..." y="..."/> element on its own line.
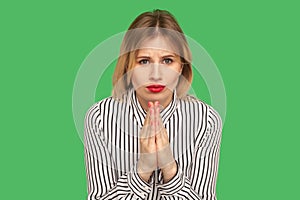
<point x="140" y="113"/>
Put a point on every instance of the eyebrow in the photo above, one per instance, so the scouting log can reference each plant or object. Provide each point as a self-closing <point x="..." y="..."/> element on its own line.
<point x="169" y="55"/>
<point x="143" y="57"/>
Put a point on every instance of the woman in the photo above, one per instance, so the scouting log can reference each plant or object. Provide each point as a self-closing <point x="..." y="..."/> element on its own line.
<point x="151" y="140"/>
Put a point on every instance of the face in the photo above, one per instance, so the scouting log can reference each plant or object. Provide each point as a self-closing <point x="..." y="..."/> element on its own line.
<point x="156" y="72"/>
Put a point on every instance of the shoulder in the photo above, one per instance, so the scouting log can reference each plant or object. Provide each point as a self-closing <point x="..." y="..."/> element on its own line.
<point x="105" y="106"/>
<point x="201" y="109"/>
<point x="97" y="108"/>
<point x="214" y="118"/>
<point x="193" y="105"/>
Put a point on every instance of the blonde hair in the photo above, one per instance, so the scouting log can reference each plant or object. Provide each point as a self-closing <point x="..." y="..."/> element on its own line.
<point x="146" y="26"/>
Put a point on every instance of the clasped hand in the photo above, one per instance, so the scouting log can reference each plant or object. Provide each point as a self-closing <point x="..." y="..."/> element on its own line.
<point x="155" y="151"/>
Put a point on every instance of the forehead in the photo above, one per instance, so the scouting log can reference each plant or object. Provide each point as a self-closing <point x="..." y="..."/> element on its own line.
<point x="157" y="45"/>
<point x="153" y="52"/>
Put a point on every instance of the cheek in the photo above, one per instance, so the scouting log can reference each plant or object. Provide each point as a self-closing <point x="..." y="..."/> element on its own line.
<point x="138" y="78"/>
<point x="172" y="81"/>
<point x="170" y="73"/>
<point x="171" y="76"/>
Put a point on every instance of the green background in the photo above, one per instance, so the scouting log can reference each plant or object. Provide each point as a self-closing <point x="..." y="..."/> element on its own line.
<point x="255" y="45"/>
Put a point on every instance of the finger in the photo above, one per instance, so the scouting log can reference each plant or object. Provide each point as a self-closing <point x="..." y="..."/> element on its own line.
<point x="147" y="118"/>
<point x="152" y="125"/>
<point x="162" y="139"/>
<point x="146" y="126"/>
<point x="161" y="136"/>
<point x="158" y="129"/>
<point x="158" y="119"/>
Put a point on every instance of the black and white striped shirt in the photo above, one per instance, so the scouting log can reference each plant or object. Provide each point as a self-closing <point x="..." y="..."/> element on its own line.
<point x="112" y="150"/>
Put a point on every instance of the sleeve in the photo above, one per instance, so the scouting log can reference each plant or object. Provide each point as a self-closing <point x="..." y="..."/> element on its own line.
<point x="102" y="177"/>
<point x="201" y="181"/>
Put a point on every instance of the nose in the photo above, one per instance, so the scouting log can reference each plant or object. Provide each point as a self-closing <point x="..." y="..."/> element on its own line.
<point x="155" y="72"/>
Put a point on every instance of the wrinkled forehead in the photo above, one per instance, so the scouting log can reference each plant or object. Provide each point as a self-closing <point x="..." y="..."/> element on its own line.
<point x="159" y="43"/>
<point x="155" y="38"/>
<point x="153" y="52"/>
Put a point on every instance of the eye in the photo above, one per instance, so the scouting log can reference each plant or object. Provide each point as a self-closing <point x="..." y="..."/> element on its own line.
<point x="144" y="62"/>
<point x="167" y="61"/>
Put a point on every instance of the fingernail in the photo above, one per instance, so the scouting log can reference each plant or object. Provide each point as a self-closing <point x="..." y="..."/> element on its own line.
<point x="149" y="104"/>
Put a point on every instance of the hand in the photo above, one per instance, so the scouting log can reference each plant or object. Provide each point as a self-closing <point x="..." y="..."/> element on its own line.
<point x="155" y="148"/>
<point x="165" y="159"/>
<point x="148" y="158"/>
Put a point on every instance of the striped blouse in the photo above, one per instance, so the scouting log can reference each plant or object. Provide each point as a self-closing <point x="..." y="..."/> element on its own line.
<point x="111" y="139"/>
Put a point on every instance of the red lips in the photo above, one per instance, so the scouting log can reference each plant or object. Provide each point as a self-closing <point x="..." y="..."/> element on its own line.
<point x="155" y="88"/>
